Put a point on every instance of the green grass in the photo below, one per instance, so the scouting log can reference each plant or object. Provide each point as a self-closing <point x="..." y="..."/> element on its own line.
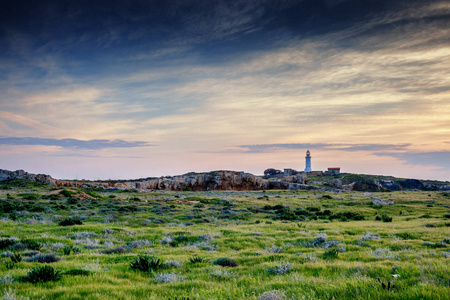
<point x="247" y="227"/>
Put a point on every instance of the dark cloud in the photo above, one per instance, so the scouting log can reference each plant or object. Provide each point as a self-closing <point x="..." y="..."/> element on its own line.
<point x="341" y="147"/>
<point x="73" y="143"/>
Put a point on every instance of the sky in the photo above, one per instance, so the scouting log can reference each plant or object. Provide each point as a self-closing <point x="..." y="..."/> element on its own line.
<point x="132" y="89"/>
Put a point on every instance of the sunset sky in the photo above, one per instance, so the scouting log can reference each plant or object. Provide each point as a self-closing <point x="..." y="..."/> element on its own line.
<point x="130" y="89"/>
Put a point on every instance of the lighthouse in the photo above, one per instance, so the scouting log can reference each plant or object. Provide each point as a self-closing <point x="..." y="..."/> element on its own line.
<point x="308" y="162"/>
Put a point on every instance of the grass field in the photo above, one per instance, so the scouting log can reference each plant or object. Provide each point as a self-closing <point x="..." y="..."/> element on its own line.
<point x="286" y="244"/>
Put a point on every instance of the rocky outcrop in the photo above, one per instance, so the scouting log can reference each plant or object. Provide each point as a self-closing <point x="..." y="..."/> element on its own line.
<point x="22" y="175"/>
<point x="216" y="180"/>
<point x="301" y="178"/>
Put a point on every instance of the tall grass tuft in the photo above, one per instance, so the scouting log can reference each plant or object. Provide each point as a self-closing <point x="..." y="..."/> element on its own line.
<point x="42" y="274"/>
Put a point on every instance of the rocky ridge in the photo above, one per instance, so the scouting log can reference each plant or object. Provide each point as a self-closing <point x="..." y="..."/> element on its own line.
<point x="216" y="180"/>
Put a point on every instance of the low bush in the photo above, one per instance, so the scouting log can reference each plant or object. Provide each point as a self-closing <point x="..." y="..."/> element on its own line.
<point x="225" y="262"/>
<point x="70" y="222"/>
<point x="29" y="196"/>
<point x="386" y="219"/>
<point x="51" y="197"/>
<point x="31" y="244"/>
<point x="43" y="258"/>
<point x="42" y="274"/>
<point x="168" y="278"/>
<point x="347" y="216"/>
<point x="280" y="269"/>
<point x="6" y="243"/>
<point x="67" y="193"/>
<point x="147" y="264"/>
<point x="118" y="249"/>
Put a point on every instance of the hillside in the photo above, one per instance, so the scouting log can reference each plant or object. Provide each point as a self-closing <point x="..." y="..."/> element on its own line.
<point x="241" y="181"/>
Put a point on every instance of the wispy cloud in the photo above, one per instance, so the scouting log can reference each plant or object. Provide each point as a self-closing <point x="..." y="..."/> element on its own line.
<point x="341" y="147"/>
<point x="73" y="143"/>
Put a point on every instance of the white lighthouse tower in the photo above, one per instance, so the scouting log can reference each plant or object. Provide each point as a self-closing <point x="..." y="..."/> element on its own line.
<point x="308" y="162"/>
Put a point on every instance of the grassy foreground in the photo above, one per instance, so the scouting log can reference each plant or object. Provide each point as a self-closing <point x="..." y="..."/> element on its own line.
<point x="287" y="245"/>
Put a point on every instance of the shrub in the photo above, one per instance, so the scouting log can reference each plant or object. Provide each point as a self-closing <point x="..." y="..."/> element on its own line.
<point x="37" y="208"/>
<point x="174" y="263"/>
<point x="51" y="197"/>
<point x="67" y="193"/>
<point x="118" y="249"/>
<point x="320" y="239"/>
<point x="29" y="196"/>
<point x="70" y="222"/>
<point x="147" y="264"/>
<point x="330" y="244"/>
<point x="225" y="262"/>
<point x="140" y="243"/>
<point x="370" y="236"/>
<point x="168" y="277"/>
<point x="31" y="244"/>
<point x="197" y="260"/>
<point x="285" y="214"/>
<point x="313" y="209"/>
<point x="5" y="243"/>
<point x="16" y="258"/>
<point x="72" y="201"/>
<point x="43" y="258"/>
<point x="386" y="219"/>
<point x="346" y="216"/>
<point x="42" y="274"/>
<point x="280" y="269"/>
